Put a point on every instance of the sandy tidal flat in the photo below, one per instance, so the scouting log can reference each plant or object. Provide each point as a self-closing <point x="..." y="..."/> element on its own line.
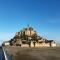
<point x="19" y="53"/>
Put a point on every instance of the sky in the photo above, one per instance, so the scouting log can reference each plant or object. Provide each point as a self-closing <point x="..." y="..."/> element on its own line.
<point x="42" y="15"/>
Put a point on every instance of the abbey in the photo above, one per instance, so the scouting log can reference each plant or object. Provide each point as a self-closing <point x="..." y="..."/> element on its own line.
<point x="27" y="37"/>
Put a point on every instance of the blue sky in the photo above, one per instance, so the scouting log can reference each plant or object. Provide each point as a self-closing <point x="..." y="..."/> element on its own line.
<point x="42" y="15"/>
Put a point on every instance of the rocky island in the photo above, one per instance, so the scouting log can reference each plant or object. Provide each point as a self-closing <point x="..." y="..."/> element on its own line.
<point x="28" y="37"/>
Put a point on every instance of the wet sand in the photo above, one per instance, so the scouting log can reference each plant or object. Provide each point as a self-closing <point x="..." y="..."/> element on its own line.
<point x="19" y="53"/>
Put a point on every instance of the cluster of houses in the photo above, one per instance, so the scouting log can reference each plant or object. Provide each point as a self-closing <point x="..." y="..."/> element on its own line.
<point x="28" y="37"/>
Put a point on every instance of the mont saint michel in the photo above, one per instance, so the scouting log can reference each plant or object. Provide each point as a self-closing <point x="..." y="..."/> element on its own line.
<point x="28" y="37"/>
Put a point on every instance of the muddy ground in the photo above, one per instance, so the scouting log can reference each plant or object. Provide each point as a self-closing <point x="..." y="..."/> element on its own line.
<point x="19" y="53"/>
